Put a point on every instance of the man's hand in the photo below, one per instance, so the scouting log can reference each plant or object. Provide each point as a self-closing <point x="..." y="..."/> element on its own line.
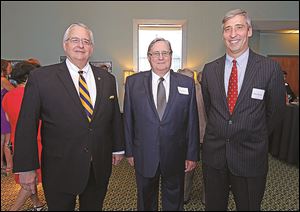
<point x="116" y="158"/>
<point x="28" y="181"/>
<point x="190" y="165"/>
<point x="130" y="161"/>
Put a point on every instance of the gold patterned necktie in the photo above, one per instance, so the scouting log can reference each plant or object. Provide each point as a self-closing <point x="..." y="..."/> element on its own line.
<point x="85" y="96"/>
<point x="232" y="94"/>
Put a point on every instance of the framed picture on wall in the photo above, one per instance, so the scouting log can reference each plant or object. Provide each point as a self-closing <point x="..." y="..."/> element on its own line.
<point x="107" y="65"/>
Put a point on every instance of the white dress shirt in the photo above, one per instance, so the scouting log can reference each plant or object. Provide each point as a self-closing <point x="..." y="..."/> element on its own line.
<point x="88" y="76"/>
<point x="241" y="63"/>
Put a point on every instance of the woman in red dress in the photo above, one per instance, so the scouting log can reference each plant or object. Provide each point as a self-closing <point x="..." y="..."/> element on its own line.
<point x="12" y="105"/>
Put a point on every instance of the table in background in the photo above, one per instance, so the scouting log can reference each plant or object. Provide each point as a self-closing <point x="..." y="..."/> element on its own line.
<point x="284" y="141"/>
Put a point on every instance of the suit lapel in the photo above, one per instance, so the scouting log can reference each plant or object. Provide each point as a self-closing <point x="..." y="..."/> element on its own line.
<point x="66" y="79"/>
<point x="148" y="88"/>
<point x="220" y="67"/>
<point x="251" y="69"/>
<point x="99" y="86"/>
<point x="172" y="93"/>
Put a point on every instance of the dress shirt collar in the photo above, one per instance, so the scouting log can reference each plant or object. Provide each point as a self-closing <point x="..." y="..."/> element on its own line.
<point x="74" y="68"/>
<point x="240" y="60"/>
<point x="156" y="78"/>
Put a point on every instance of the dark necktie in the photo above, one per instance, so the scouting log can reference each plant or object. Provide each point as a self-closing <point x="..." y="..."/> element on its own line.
<point x="232" y="94"/>
<point x="85" y="96"/>
<point x="161" y="98"/>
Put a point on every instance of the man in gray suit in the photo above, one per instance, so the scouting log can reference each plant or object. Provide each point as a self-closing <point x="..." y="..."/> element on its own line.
<point x="161" y="129"/>
<point x="244" y="96"/>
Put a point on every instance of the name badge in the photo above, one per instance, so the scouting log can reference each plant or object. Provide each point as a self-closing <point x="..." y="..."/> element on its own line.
<point x="257" y="94"/>
<point x="182" y="90"/>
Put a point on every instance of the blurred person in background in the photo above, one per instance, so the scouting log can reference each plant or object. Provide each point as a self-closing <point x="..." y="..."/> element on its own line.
<point x="189" y="176"/>
<point x="290" y="94"/>
<point x="12" y="104"/>
<point x="35" y="62"/>
<point x="6" y="86"/>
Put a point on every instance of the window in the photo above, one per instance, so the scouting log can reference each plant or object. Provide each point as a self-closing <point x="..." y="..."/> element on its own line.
<point x="147" y="30"/>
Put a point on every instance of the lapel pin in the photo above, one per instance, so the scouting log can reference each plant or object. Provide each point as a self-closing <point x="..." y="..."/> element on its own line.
<point x="99" y="78"/>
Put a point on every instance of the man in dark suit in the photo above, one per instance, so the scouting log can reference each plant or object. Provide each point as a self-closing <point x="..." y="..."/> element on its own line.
<point x="161" y="129"/>
<point x="244" y="96"/>
<point x="77" y="143"/>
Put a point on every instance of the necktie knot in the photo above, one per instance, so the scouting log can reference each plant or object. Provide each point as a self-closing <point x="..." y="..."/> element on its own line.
<point x="80" y="72"/>
<point x="234" y="62"/>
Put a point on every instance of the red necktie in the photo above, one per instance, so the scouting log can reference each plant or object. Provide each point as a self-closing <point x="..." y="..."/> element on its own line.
<point x="232" y="94"/>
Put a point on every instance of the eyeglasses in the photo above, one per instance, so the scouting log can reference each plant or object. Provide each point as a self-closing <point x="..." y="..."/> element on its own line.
<point x="157" y="54"/>
<point x="76" y="41"/>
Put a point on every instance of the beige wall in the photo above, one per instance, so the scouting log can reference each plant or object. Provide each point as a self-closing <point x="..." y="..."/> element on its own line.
<point x="35" y="29"/>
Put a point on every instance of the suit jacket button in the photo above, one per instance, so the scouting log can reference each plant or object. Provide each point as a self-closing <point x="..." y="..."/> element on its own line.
<point x="227" y="140"/>
<point x="230" y="122"/>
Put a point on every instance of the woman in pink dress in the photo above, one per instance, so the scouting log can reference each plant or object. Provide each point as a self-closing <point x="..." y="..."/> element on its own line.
<point x="12" y="105"/>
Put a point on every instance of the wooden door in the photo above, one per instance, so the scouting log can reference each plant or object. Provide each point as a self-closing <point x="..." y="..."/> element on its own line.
<point x="290" y="64"/>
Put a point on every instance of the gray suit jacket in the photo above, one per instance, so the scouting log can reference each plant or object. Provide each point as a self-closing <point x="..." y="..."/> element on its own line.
<point x="240" y="140"/>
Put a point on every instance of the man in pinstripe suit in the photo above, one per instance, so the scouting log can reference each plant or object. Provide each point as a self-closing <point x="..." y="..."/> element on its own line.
<point x="235" y="147"/>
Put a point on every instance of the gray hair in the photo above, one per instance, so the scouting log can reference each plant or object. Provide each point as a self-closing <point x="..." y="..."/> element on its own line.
<point x="66" y="35"/>
<point x="157" y="40"/>
<point x="235" y="12"/>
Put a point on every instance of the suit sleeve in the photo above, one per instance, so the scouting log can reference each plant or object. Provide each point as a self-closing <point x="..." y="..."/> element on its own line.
<point x="275" y="98"/>
<point x="26" y="149"/>
<point x="118" y="139"/>
<point x="193" y="129"/>
<point x="205" y="93"/>
<point x="128" y="121"/>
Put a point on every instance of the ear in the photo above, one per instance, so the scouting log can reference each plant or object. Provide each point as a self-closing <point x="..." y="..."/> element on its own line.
<point x="249" y="32"/>
<point x="64" y="46"/>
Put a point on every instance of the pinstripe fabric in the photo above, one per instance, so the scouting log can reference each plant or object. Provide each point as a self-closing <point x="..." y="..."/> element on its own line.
<point x="85" y="96"/>
<point x="240" y="139"/>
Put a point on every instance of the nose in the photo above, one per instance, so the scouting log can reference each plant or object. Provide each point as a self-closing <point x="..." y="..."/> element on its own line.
<point x="233" y="33"/>
<point x="81" y="43"/>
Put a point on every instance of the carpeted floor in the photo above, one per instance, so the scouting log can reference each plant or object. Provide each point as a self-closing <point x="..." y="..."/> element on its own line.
<point x="282" y="192"/>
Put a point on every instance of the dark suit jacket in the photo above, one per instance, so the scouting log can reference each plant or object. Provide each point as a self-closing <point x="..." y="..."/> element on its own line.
<point x="69" y="140"/>
<point x="241" y="139"/>
<point x="168" y="142"/>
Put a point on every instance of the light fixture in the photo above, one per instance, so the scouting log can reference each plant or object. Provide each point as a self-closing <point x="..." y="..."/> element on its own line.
<point x="195" y="75"/>
<point x="127" y="73"/>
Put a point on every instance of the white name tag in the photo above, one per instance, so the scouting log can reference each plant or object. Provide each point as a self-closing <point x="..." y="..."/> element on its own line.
<point x="257" y="94"/>
<point x="182" y="90"/>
